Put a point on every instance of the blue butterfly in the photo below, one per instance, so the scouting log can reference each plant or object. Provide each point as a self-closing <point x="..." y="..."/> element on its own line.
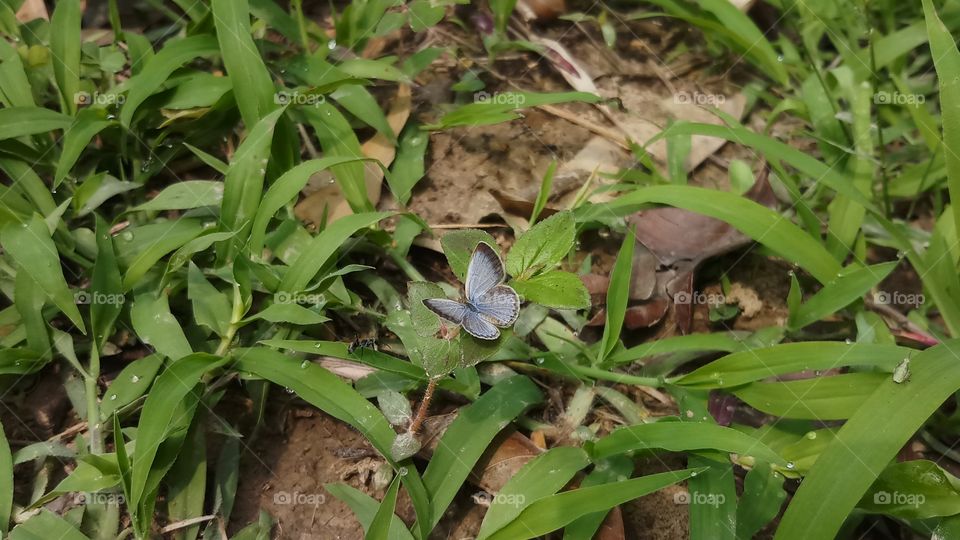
<point x="489" y="303"/>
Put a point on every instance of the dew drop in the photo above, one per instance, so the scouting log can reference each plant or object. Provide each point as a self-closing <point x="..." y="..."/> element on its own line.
<point x="780" y="58"/>
<point x="127" y="235"/>
<point x="304" y="364"/>
<point x="113" y="397"/>
<point x="812" y="435"/>
<point x="790" y="465"/>
<point x="135" y="378"/>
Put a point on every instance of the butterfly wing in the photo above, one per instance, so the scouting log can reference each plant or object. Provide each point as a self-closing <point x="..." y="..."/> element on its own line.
<point x="484" y="272"/>
<point x="450" y="310"/>
<point x="479" y="327"/>
<point x="500" y="305"/>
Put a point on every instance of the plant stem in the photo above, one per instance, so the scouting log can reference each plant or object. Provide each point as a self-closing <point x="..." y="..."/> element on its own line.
<point x="93" y="403"/>
<point x="604" y="375"/>
<point x="424" y="405"/>
<point x="235" y="318"/>
<point x="405" y="265"/>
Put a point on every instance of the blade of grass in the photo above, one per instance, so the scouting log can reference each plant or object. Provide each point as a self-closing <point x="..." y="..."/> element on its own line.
<point x="384" y="519"/>
<point x="65" y="52"/>
<point x="6" y="478"/>
<point x="681" y="437"/>
<point x="252" y="84"/>
<point x="618" y="294"/>
<point x="839" y="293"/>
<point x="823" y="398"/>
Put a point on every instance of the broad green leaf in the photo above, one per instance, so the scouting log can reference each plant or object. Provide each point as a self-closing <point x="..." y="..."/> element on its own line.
<point x="540" y="477"/>
<point x="42" y="450"/>
<point x="157" y="69"/>
<point x="383" y="520"/>
<point x="46" y="525"/>
<point x="763" y="495"/>
<point x="338" y="140"/>
<point x="169" y="390"/>
<point x="141" y="248"/>
<point x="322" y="247"/>
<point x="29" y="301"/>
<point x="227" y="477"/>
<point x="6" y="478"/>
<point x="187" y="480"/>
<point x="289" y="313"/>
<point x="693" y="343"/>
<point x="33" y="249"/>
<point x="408" y="168"/>
<point x="282" y="191"/>
<point x="555" y="289"/>
<point x="851" y="463"/>
<point x="321" y="389"/>
<point x="468" y="436"/>
<point x="916" y="489"/>
<point x="681" y="437"/>
<point x="65" y="52"/>
<point x="130" y="384"/>
<point x="20" y="121"/>
<point x="211" y="307"/>
<point x="840" y="292"/>
<point x="502" y="107"/>
<point x="106" y="298"/>
<point x="756" y="364"/>
<point x="358" y="101"/>
<point x="618" y="294"/>
<point x="821" y="398"/>
<point x="243" y="185"/>
<point x="607" y="471"/>
<point x="458" y="246"/>
<point x="85" y="127"/>
<point x="157" y="327"/>
<point x="946" y="59"/>
<point x="365" y="508"/>
<point x="425" y="322"/>
<point x="97" y="189"/>
<point x="184" y="196"/>
<point x="542" y="246"/>
<point x="23" y="176"/>
<point x="395" y="407"/>
<point x="756" y="221"/>
<point x="753" y="43"/>
<point x="15" y="90"/>
<point x="554" y="512"/>
<point x="252" y="85"/>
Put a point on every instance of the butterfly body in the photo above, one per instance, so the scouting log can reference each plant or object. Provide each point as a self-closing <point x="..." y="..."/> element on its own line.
<point x="488" y="304"/>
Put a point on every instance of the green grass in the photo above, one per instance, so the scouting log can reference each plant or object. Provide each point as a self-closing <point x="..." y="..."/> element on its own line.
<point x="216" y="281"/>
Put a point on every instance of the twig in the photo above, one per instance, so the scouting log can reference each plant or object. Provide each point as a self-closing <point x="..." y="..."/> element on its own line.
<point x="424" y="405"/>
<point x="612" y="135"/>
<point x="186" y="523"/>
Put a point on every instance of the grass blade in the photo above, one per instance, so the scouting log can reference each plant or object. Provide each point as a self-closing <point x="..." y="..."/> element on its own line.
<point x="20" y="121"/>
<point x="65" y="52"/>
<point x="839" y="293"/>
<point x="682" y="436"/>
<point x="618" y="294"/>
<point x="822" y="398"/>
<point x="252" y="84"/>
<point x="365" y="507"/>
<point x="6" y="478"/>
<point x="383" y="520"/>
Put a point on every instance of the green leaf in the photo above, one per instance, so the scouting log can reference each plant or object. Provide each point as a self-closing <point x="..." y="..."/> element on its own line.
<point x="542" y="247"/>
<point x="546" y="186"/>
<point x="187" y="481"/>
<point x="502" y="106"/>
<point x="358" y="101"/>
<point x="15" y="90"/>
<point x="540" y="477"/>
<point x="365" y="508"/>
<point x="130" y="384"/>
<point x="763" y="495"/>
<point x="458" y="246"/>
<point x="693" y="343"/>
<point x="338" y="140"/>
<point x="289" y="313"/>
<point x="822" y="398"/>
<point x="840" y="292"/>
<point x="252" y="85"/>
<point x="158" y="69"/>
<point x="243" y="185"/>
<point x="468" y="436"/>
<point x="857" y="456"/>
<point x="157" y="327"/>
<point x="756" y="364"/>
<point x="65" y="52"/>
<point x="227" y="476"/>
<point x="6" y="478"/>
<point x="946" y="59"/>
<point x="382" y="522"/>
<point x="425" y="322"/>
<point x="33" y="249"/>
<point x="756" y="221"/>
<point x="751" y="42"/>
<point x="211" y="308"/>
<point x="46" y="524"/>
<point x="555" y="289"/>
<point x="321" y="389"/>
<point x="85" y="127"/>
<point x="917" y="489"/>
<point x="408" y="168"/>
<point x="20" y="121"/>
<point x="169" y="391"/>
<point x="681" y="437"/>
<point x="141" y="248"/>
<point x="618" y="294"/>
<point x="322" y="247"/>
<point x="107" y="298"/>
<point x="555" y="512"/>
<point x="184" y="196"/>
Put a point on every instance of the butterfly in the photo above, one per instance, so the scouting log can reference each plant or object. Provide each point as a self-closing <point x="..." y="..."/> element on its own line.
<point x="489" y="303"/>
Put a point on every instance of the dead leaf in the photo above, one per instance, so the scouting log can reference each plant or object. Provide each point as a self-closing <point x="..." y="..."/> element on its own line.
<point x="32" y="9"/>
